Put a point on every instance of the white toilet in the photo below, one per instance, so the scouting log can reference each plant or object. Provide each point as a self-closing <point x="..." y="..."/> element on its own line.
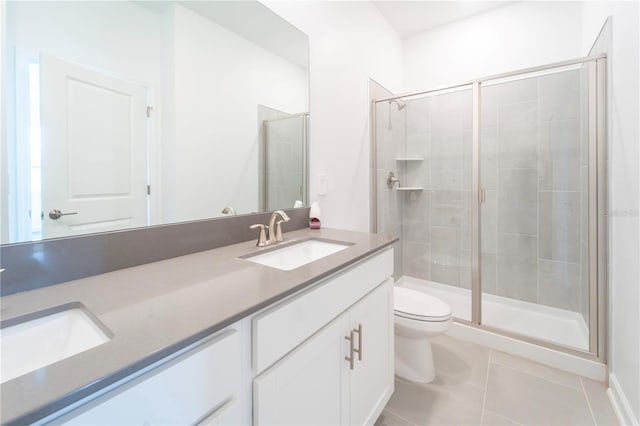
<point x="418" y="317"/>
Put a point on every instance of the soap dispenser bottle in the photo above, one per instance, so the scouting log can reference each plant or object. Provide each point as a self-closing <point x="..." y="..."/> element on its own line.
<point x="314" y="216"/>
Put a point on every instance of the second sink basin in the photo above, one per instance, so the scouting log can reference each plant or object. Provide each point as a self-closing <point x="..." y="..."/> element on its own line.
<point x="47" y="337"/>
<point x="294" y="255"/>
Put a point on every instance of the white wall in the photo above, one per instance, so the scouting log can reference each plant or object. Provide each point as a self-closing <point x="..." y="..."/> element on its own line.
<point x="219" y="78"/>
<point x="349" y="42"/>
<point x="519" y="35"/>
<point x="81" y="32"/>
<point x="622" y="47"/>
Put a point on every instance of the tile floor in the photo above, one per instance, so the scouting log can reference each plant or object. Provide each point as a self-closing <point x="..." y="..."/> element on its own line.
<point x="475" y="385"/>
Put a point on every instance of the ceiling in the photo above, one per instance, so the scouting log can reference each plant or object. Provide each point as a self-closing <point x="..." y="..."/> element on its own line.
<point x="249" y="19"/>
<point x="411" y="17"/>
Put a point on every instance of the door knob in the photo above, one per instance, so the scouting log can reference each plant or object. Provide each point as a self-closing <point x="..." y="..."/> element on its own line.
<point x="56" y="214"/>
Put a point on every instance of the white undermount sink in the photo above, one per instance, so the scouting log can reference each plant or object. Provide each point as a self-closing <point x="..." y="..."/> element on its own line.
<point x="38" y="342"/>
<point x="292" y="256"/>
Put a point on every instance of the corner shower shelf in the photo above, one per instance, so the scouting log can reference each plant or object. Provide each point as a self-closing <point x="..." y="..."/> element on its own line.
<point x="410" y="188"/>
<point x="409" y="159"/>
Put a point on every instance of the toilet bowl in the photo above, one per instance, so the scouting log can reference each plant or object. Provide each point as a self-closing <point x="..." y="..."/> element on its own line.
<point x="418" y="317"/>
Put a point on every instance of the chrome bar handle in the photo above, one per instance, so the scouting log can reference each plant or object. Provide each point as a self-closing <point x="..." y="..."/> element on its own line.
<point x="359" y="350"/>
<point x="483" y="196"/>
<point x="350" y="358"/>
<point x="56" y="214"/>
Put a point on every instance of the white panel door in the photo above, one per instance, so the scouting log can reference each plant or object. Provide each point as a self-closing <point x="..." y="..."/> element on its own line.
<point x="308" y="386"/>
<point x="94" y="160"/>
<point x="372" y="378"/>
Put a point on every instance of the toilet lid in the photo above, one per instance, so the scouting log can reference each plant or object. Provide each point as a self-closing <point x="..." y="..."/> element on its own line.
<point x="419" y="304"/>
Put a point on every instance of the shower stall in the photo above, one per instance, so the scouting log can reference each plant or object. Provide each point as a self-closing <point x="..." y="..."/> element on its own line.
<point x="497" y="191"/>
<point x="285" y="159"/>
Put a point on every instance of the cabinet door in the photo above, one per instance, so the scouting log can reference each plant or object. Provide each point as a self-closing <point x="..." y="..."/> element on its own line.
<point x="229" y="413"/>
<point x="371" y="380"/>
<point x="185" y="390"/>
<point x="308" y="386"/>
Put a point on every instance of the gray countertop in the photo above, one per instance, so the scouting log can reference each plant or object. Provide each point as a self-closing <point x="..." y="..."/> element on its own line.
<point x="156" y="309"/>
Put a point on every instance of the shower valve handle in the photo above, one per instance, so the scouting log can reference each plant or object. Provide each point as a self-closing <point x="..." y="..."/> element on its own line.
<point x="392" y="180"/>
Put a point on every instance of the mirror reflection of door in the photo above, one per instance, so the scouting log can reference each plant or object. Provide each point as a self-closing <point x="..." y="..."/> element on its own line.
<point x="93" y="126"/>
<point x="204" y="67"/>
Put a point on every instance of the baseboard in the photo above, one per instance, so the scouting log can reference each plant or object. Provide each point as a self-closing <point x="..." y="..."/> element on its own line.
<point x="553" y="358"/>
<point x="620" y="402"/>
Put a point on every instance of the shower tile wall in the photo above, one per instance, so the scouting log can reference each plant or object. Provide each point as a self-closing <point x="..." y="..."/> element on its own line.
<point x="531" y="169"/>
<point x="390" y="133"/>
<point x="436" y="233"/>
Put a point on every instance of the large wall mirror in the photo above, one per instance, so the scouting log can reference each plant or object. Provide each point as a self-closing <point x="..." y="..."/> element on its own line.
<point x="122" y="114"/>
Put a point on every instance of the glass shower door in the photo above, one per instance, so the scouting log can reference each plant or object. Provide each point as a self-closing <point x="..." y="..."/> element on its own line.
<point x="534" y="242"/>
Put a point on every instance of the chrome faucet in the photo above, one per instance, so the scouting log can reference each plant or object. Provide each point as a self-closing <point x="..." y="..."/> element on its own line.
<point x="276" y="236"/>
<point x="272" y="233"/>
<point x="229" y="210"/>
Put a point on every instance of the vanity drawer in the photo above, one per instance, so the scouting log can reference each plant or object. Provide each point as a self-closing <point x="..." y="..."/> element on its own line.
<point x="280" y="329"/>
<point x="200" y="386"/>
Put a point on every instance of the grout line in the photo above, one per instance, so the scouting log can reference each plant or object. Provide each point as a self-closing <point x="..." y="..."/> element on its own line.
<point x="546" y="379"/>
<point x="559" y="191"/>
<point x="539" y="131"/>
<point x="398" y="416"/>
<point x="517" y="168"/>
<point x="504" y="417"/>
<point x="560" y="261"/>
<point x="584" y="392"/>
<point x="496" y="231"/>
<point x="520" y="234"/>
<point x="486" y="384"/>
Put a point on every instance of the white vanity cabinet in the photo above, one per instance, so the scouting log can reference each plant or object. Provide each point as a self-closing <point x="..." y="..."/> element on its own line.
<point x="322" y="356"/>
<point x="371" y="380"/>
<point x="204" y="384"/>
<point x="341" y="373"/>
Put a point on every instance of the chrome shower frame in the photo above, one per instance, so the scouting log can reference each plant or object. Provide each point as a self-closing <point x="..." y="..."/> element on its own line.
<point x="597" y="203"/>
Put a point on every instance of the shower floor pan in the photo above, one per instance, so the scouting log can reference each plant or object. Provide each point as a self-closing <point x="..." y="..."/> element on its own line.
<point x="553" y="325"/>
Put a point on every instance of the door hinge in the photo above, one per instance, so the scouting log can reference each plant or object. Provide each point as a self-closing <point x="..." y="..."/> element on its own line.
<point x="149" y="109"/>
<point x="148" y="189"/>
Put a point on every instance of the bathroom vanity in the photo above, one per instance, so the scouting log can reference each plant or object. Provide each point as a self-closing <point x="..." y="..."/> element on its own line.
<point x="215" y="338"/>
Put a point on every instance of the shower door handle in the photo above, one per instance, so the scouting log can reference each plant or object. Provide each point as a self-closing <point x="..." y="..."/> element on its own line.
<point x="482" y="196"/>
